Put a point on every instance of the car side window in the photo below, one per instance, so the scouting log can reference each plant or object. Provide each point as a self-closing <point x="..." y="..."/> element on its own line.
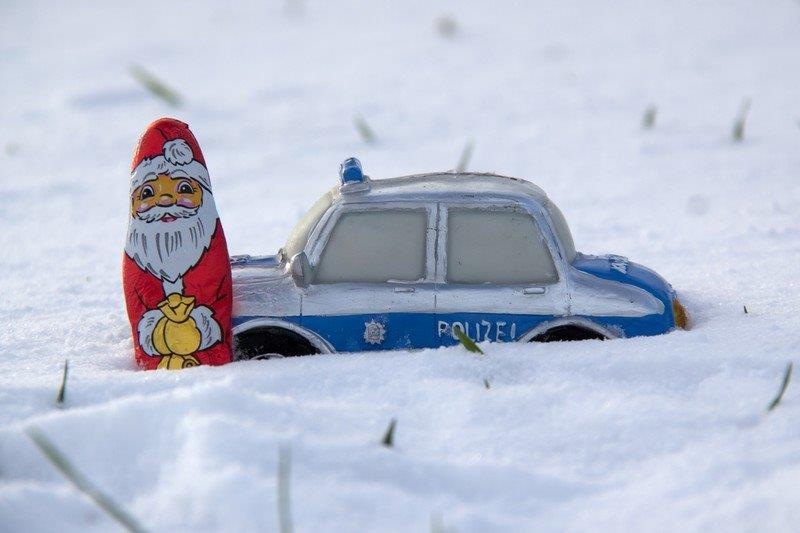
<point x="375" y="246"/>
<point x="496" y="245"/>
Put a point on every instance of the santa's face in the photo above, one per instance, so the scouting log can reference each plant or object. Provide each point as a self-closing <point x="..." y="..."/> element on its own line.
<point x="157" y="199"/>
<point x="172" y="221"/>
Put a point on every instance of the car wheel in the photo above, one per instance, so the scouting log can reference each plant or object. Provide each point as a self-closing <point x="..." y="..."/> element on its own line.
<point x="568" y="333"/>
<point x="270" y="342"/>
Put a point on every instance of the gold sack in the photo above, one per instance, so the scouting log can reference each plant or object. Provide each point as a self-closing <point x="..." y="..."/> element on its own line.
<point x="176" y="362"/>
<point x="176" y="332"/>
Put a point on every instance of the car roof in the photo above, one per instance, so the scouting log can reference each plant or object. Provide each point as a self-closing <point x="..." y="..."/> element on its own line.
<point x="439" y="185"/>
<point x="431" y="187"/>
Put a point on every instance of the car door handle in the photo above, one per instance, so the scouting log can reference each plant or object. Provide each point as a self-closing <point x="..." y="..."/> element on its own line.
<point x="534" y="290"/>
<point x="404" y="289"/>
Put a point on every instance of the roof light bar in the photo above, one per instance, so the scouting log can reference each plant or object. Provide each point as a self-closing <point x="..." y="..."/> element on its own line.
<point x="350" y="171"/>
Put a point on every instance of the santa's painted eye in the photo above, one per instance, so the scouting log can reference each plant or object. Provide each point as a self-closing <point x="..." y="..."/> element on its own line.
<point x="185" y="187"/>
<point x="147" y="192"/>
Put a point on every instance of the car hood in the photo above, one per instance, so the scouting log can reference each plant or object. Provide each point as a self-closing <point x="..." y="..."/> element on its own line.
<point x="619" y="268"/>
<point x="248" y="268"/>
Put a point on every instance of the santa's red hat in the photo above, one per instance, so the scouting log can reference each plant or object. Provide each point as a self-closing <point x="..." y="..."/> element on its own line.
<point x="167" y="146"/>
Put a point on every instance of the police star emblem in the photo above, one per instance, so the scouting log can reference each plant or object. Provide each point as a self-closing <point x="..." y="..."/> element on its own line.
<point x="374" y="332"/>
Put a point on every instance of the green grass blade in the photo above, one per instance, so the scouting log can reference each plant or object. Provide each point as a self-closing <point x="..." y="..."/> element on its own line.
<point x="447" y="26"/>
<point x="466" y="155"/>
<point x="741" y="120"/>
<point x="62" y="391"/>
<point x="388" y="437"/>
<point x="367" y="135"/>
<point x="787" y="377"/>
<point x="649" y="117"/>
<point x="284" y="503"/>
<point x="437" y="523"/>
<point x="60" y="461"/>
<point x="466" y="342"/>
<point x="155" y="86"/>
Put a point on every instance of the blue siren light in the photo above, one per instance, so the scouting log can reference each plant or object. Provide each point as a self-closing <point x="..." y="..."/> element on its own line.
<point x="350" y="171"/>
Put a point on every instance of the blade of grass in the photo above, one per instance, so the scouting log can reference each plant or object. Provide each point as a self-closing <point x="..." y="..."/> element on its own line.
<point x="388" y="437"/>
<point x="487" y="384"/>
<point x="155" y="86"/>
<point x="11" y="148"/>
<point x="82" y="484"/>
<point x="741" y="120"/>
<point x="284" y="503"/>
<point x="447" y="26"/>
<point x="787" y="376"/>
<point x="466" y="155"/>
<point x="649" y="117"/>
<point x="466" y="342"/>
<point x="437" y="523"/>
<point x="367" y="135"/>
<point x="63" y="389"/>
<point x="293" y="8"/>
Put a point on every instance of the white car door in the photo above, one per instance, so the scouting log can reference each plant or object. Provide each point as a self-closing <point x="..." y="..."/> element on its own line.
<point x="498" y="274"/>
<point x="373" y="277"/>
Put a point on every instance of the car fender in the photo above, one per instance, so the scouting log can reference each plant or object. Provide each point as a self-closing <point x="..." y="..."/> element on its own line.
<point x="591" y="295"/>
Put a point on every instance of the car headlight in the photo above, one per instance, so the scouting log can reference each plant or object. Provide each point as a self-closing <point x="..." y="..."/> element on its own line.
<point x="680" y="314"/>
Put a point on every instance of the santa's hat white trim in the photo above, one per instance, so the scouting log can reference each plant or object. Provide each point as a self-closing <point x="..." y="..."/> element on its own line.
<point x="177" y="158"/>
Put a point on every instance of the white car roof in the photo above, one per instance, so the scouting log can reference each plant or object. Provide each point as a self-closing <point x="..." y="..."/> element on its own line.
<point x="438" y="186"/>
<point x="442" y="184"/>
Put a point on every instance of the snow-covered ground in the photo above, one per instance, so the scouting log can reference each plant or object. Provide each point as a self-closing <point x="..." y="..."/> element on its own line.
<point x="651" y="434"/>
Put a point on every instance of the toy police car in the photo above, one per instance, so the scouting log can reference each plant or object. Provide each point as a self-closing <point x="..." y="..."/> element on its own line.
<point x="400" y="263"/>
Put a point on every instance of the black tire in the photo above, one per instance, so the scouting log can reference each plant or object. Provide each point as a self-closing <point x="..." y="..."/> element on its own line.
<point x="568" y="333"/>
<point x="270" y="341"/>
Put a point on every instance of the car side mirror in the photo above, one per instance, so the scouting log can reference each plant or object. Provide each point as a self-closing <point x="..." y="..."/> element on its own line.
<point x="302" y="273"/>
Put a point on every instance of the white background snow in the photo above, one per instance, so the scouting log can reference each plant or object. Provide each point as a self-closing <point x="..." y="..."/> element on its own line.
<point x="650" y="434"/>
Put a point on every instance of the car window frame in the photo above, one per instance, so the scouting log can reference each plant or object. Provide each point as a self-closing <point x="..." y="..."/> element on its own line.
<point x="315" y="249"/>
<point x="541" y="221"/>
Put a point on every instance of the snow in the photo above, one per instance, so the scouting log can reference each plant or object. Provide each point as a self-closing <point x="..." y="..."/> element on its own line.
<point x="646" y="434"/>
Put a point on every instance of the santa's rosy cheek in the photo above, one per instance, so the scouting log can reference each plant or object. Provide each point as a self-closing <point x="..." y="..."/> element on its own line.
<point x="186" y="202"/>
<point x="143" y="207"/>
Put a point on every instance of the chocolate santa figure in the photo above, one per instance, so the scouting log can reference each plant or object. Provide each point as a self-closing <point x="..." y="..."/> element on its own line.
<point x="176" y="272"/>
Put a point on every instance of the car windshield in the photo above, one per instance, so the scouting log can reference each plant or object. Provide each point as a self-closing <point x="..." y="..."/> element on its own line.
<point x="299" y="235"/>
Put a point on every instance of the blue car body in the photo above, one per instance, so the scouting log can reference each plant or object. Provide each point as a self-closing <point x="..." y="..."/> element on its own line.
<point x="324" y="288"/>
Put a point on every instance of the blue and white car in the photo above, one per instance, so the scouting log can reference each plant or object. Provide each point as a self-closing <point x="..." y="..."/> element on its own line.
<point x="399" y="263"/>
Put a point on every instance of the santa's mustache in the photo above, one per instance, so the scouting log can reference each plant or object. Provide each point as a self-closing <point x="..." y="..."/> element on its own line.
<point x="158" y="212"/>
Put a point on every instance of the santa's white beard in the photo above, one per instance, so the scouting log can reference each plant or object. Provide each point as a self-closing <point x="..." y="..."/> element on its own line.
<point x="169" y="249"/>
